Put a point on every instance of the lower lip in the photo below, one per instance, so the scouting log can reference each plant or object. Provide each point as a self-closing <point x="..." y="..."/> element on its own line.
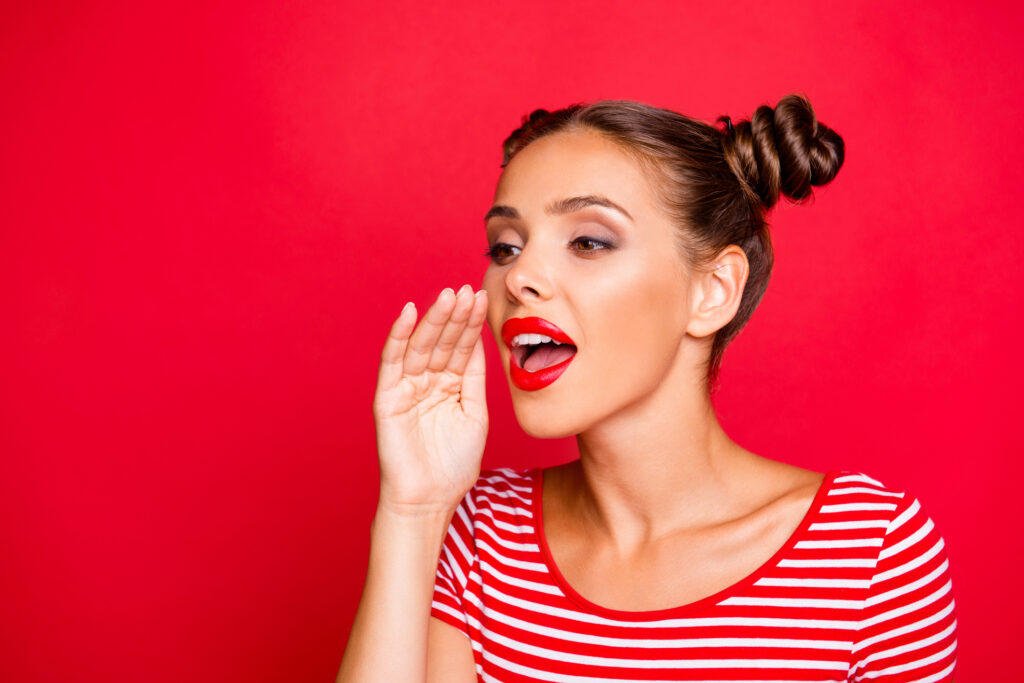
<point x="532" y="381"/>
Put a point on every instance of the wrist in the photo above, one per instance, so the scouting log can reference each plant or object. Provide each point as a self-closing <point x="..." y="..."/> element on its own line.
<point x="425" y="512"/>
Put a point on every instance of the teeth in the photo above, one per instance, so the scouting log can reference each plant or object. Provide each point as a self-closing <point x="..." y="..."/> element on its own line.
<point x="532" y="339"/>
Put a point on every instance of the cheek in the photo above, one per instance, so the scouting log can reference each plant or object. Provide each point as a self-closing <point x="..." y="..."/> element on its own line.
<point x="639" y="316"/>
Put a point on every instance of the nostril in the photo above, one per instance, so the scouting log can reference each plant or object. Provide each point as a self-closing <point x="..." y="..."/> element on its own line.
<point x="530" y="291"/>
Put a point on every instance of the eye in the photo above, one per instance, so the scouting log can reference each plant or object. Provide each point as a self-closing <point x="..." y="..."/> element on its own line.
<point x="496" y="251"/>
<point x="592" y="244"/>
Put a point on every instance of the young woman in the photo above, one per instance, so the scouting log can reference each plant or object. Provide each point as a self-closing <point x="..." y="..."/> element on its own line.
<point x="628" y="246"/>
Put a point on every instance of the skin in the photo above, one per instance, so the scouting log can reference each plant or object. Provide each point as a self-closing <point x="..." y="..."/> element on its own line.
<point x="662" y="507"/>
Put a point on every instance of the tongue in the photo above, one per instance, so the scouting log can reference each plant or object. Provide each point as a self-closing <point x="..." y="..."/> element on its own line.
<point x="547" y="355"/>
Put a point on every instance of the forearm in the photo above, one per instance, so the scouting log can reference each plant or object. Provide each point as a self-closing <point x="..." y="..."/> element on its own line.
<point x="388" y="641"/>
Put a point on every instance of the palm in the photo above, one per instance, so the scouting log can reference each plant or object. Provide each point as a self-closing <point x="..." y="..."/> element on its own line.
<point x="430" y="407"/>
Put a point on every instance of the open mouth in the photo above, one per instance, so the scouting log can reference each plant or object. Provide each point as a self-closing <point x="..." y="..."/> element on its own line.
<point x="537" y="357"/>
<point x="540" y="352"/>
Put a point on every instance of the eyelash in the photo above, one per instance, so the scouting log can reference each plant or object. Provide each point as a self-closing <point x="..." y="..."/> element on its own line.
<point x="491" y="252"/>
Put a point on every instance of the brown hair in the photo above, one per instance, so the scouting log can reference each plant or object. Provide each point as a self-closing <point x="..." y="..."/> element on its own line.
<point x="717" y="184"/>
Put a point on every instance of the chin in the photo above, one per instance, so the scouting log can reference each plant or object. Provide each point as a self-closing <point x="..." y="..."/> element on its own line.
<point x="543" y="423"/>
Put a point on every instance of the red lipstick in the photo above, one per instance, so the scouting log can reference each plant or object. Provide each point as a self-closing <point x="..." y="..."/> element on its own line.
<point x="522" y="378"/>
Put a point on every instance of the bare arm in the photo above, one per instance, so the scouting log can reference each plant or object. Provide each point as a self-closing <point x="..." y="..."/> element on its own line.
<point x="389" y="635"/>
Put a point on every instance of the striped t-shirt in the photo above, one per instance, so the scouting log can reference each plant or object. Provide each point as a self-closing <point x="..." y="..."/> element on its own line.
<point x="860" y="592"/>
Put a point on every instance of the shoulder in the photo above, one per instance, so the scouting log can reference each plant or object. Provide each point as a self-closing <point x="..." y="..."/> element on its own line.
<point x="907" y="619"/>
<point x="903" y="525"/>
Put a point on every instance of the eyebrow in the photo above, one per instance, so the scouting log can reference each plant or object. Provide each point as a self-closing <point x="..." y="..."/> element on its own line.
<point x="559" y="207"/>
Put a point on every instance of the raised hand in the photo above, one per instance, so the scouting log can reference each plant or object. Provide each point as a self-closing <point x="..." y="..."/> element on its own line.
<point x="430" y="408"/>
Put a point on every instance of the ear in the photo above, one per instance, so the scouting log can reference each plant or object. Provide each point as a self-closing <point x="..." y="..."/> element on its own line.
<point x="717" y="291"/>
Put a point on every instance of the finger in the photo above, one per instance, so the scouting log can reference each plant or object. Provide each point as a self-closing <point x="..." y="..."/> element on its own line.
<point x="474" y="386"/>
<point x="394" y="347"/>
<point x="424" y="337"/>
<point x="452" y="330"/>
<point x="464" y="348"/>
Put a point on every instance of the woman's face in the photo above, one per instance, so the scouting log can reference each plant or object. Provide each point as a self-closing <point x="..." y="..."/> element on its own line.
<point x="615" y="284"/>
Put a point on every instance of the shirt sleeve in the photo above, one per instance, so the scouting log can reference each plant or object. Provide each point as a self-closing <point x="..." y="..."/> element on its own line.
<point x="907" y="629"/>
<point x="454" y="565"/>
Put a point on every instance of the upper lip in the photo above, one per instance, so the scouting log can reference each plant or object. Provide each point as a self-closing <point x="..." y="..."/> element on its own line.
<point x="533" y="325"/>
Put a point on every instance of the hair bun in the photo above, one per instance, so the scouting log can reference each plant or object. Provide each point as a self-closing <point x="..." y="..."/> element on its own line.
<point x="782" y="150"/>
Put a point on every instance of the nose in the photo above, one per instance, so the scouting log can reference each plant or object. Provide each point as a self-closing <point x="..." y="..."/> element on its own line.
<point x="528" y="278"/>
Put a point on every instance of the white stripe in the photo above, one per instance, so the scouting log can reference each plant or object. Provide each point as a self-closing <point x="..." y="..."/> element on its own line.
<point x="858" y="507"/>
<point x="858" y="477"/>
<point x="840" y="543"/>
<point x="814" y="583"/>
<point x="861" y="489"/>
<point x="792" y="602"/>
<point x="508" y="509"/>
<point x="520" y="529"/>
<point x="841" y="526"/>
<point x="839" y="563"/>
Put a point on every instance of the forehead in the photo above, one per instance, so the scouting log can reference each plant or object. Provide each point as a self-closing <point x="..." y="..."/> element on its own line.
<point x="574" y="163"/>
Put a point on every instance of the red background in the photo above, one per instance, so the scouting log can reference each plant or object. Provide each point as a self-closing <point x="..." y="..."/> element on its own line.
<point x="210" y="218"/>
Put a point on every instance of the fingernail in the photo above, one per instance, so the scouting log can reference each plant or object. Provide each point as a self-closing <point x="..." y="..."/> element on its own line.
<point x="463" y="288"/>
<point x="448" y="290"/>
<point x="407" y="306"/>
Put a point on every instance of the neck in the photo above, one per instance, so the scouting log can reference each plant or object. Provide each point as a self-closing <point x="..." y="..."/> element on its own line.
<point x="656" y="467"/>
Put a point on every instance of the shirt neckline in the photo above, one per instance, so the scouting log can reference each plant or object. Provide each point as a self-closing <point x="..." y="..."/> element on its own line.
<point x="536" y="504"/>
